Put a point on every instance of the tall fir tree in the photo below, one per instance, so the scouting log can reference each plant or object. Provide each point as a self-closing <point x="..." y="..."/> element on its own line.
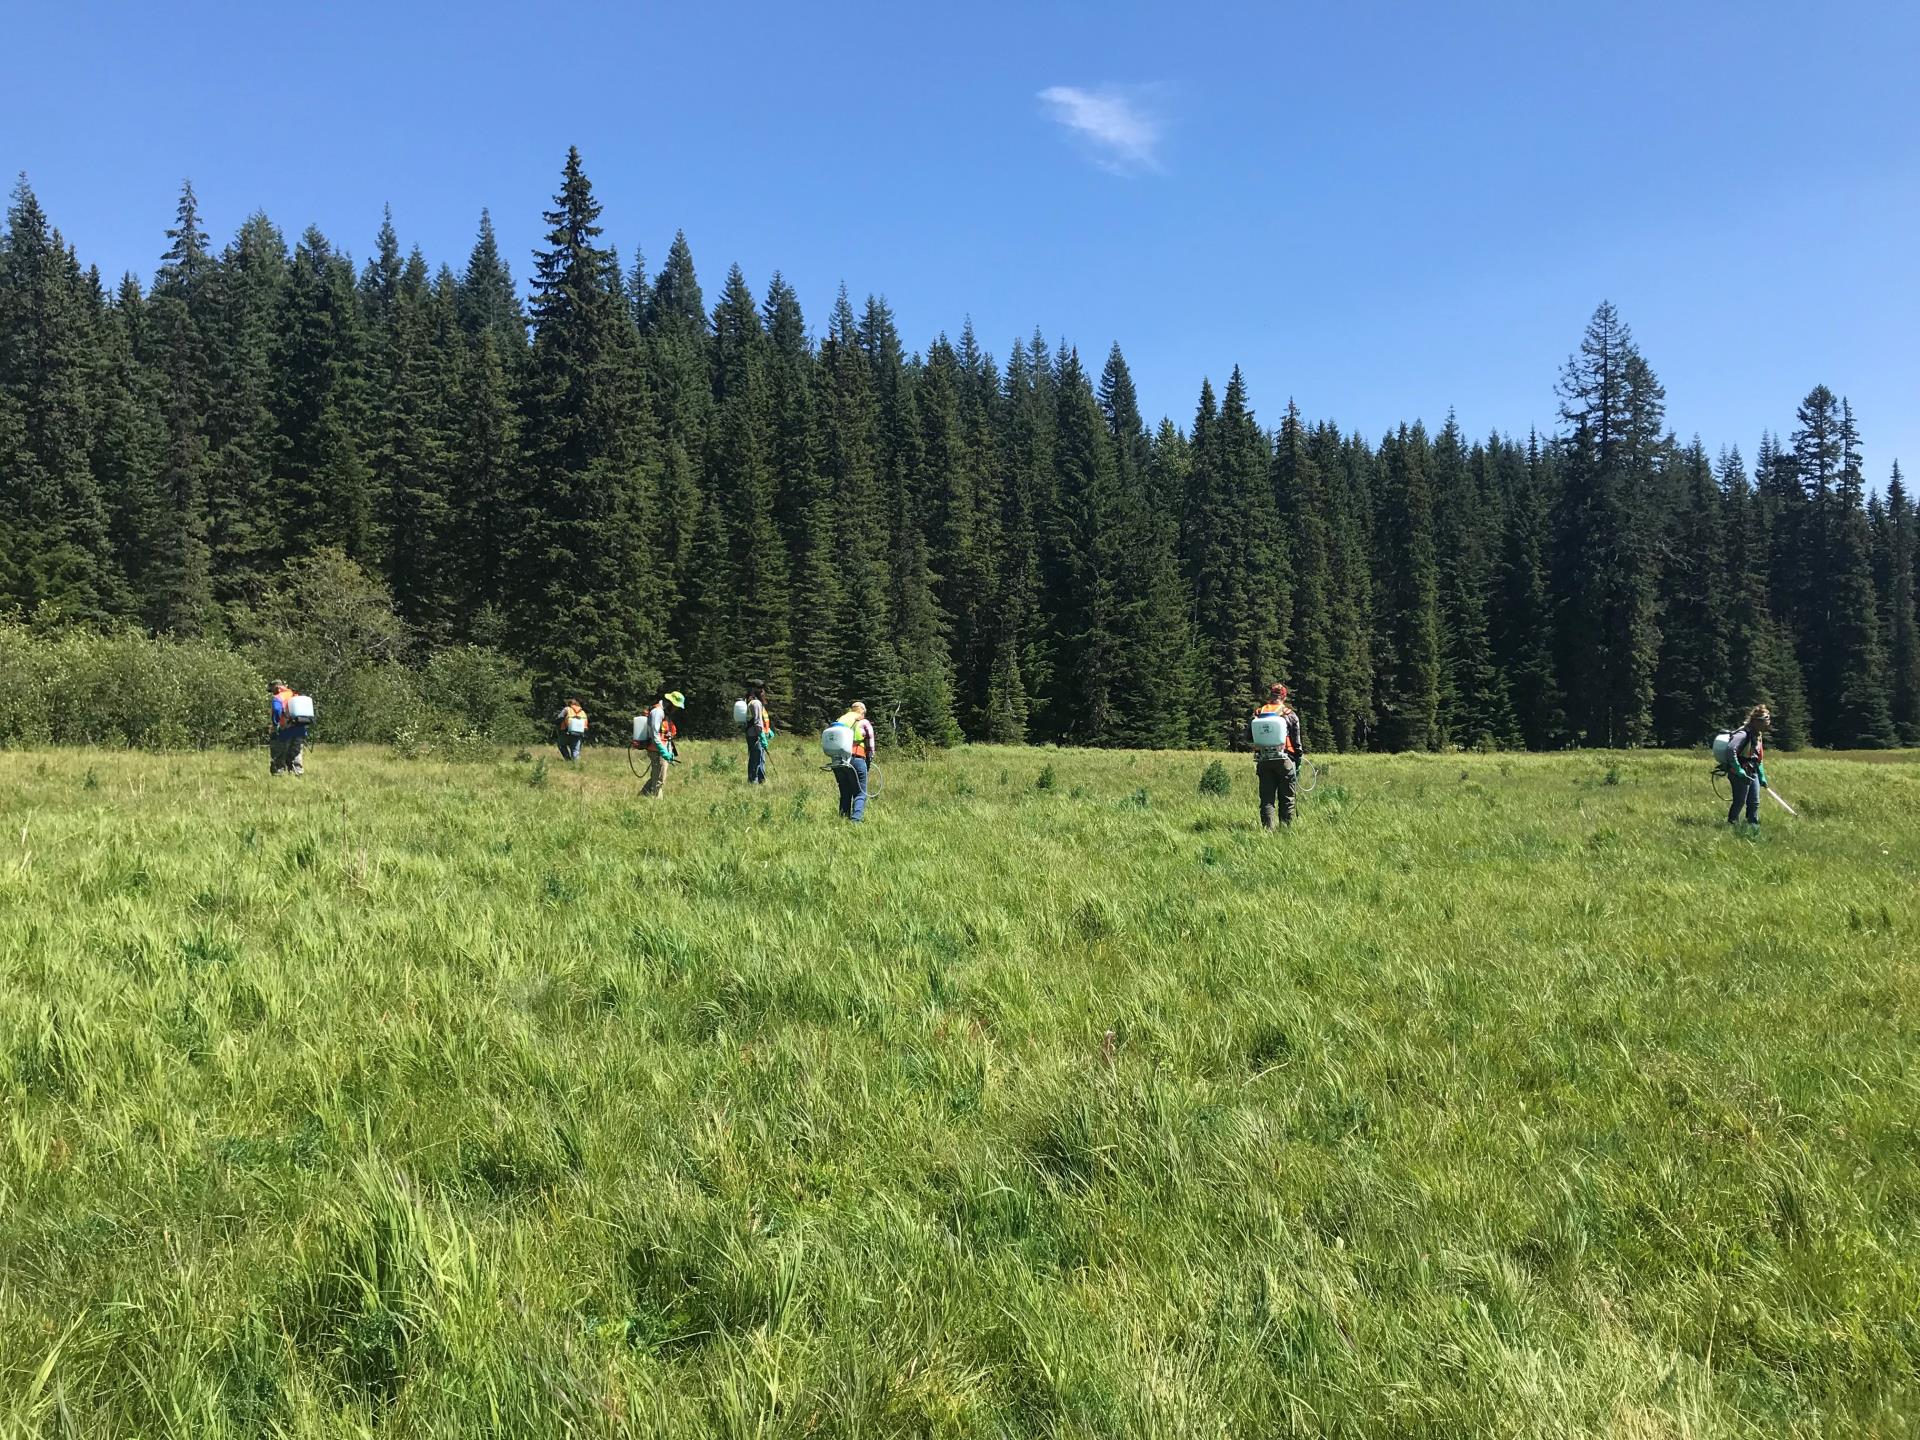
<point x="1691" y="683"/>
<point x="1474" y="706"/>
<point x="246" y="310"/>
<point x="326" y="495"/>
<point x="590" y="602"/>
<point x="1307" y="516"/>
<point x="1523" y="629"/>
<point x="1235" y="561"/>
<point x="1408" y="630"/>
<point x="1903" y="621"/>
<point x="60" y="548"/>
<point x="1604" y="534"/>
<point x="1853" y="703"/>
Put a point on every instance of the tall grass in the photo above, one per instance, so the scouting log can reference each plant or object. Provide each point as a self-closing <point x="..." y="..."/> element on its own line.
<point x="1495" y="1098"/>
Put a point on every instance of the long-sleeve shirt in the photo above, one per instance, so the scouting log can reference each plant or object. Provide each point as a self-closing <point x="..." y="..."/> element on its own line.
<point x="1748" y="748"/>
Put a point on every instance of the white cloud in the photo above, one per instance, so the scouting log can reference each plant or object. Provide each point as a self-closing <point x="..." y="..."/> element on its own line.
<point x="1119" y="129"/>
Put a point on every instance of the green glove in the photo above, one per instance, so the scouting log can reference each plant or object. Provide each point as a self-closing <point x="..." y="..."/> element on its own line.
<point x="1763" y="775"/>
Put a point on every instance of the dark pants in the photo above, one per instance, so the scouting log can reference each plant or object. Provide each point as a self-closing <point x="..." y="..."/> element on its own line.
<point x="570" y="745"/>
<point x="1746" y="791"/>
<point x="852" y="779"/>
<point x="286" y="753"/>
<point x="756" y="760"/>
<point x="1276" y="789"/>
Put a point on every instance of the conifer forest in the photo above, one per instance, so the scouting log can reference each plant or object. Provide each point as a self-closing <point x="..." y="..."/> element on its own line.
<point x="624" y="480"/>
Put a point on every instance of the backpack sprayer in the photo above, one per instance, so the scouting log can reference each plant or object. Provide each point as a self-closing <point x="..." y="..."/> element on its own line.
<point x="1725" y="762"/>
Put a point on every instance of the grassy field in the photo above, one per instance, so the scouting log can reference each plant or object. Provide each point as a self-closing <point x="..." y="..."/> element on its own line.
<point x="1502" y="1096"/>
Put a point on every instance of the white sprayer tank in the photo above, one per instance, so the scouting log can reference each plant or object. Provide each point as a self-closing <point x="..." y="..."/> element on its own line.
<point x="576" y="725"/>
<point x="639" y="729"/>
<point x="836" y="743"/>
<point x="740" y="713"/>
<point x="301" y="708"/>
<point x="1270" y="732"/>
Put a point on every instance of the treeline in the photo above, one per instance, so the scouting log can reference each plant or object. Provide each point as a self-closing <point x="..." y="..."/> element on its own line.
<point x="622" y="486"/>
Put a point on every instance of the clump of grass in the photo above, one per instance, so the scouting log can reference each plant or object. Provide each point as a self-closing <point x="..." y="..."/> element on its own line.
<point x="537" y="777"/>
<point x="1047" y="779"/>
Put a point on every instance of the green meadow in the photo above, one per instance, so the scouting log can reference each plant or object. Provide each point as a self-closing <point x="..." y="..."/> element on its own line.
<point x="1501" y="1096"/>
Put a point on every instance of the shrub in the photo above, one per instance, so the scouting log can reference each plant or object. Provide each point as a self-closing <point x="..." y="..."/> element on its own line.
<point x="27" y="681"/>
<point x="1215" y="781"/>
<point x="379" y="703"/>
<point x="472" y="690"/>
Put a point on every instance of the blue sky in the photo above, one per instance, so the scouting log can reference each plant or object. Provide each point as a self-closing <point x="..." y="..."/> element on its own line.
<point x="1380" y="210"/>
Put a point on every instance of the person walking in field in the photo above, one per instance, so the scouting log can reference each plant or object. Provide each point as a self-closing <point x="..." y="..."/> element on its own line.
<point x="759" y="732"/>
<point x="852" y="776"/>
<point x="1277" y="755"/>
<point x="572" y="725"/>
<point x="287" y="739"/>
<point x="662" y="732"/>
<point x="1746" y="762"/>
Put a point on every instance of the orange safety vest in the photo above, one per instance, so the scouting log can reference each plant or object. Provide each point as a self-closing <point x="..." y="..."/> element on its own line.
<point x="1274" y="707"/>
<point x="668" y="730"/>
<point x="571" y="711"/>
<point x="285" y="697"/>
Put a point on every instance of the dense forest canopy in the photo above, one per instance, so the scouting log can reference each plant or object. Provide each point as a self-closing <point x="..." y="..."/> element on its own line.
<point x="623" y="485"/>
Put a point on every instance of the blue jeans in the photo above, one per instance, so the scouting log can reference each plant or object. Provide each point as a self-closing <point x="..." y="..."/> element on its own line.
<point x="570" y="745"/>
<point x="852" y="778"/>
<point x="756" y="761"/>
<point x="1746" y="791"/>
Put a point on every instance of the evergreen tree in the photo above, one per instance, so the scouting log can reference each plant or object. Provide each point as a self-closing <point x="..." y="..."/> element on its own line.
<point x="1903" y="622"/>
<point x="1854" y="704"/>
<point x="674" y="351"/>
<point x="1348" y="463"/>
<point x="59" y="544"/>
<point x="857" y="533"/>
<point x="413" y="454"/>
<point x="1605" y="563"/>
<point x="753" y="564"/>
<point x="1761" y="666"/>
<point x="1523" y="632"/>
<point x="246" y="308"/>
<point x="1691" y="682"/>
<point x="1235" y="561"/>
<point x="805" y="511"/>
<point x="1474" y="708"/>
<point x="1407" y="630"/>
<point x="488" y="303"/>
<point x="591" y="608"/>
<point x="179" y="587"/>
<point x="490" y="507"/>
<point x="130" y="447"/>
<point x="1307" y="516"/>
<point x="327" y="491"/>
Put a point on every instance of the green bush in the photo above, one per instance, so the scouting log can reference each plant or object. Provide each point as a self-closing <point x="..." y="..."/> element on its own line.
<point x="474" y="691"/>
<point x="379" y="703"/>
<point x="84" y="689"/>
<point x="27" y="678"/>
<point x="1215" y="780"/>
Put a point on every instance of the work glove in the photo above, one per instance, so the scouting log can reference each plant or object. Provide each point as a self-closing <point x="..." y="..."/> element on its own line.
<point x="1763" y="776"/>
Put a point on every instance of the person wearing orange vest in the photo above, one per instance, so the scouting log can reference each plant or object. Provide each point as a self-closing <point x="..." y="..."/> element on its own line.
<point x="1278" y="768"/>
<point x="287" y="739"/>
<point x="759" y="732"/>
<point x="852" y="777"/>
<point x="570" y="737"/>
<point x="662" y="734"/>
